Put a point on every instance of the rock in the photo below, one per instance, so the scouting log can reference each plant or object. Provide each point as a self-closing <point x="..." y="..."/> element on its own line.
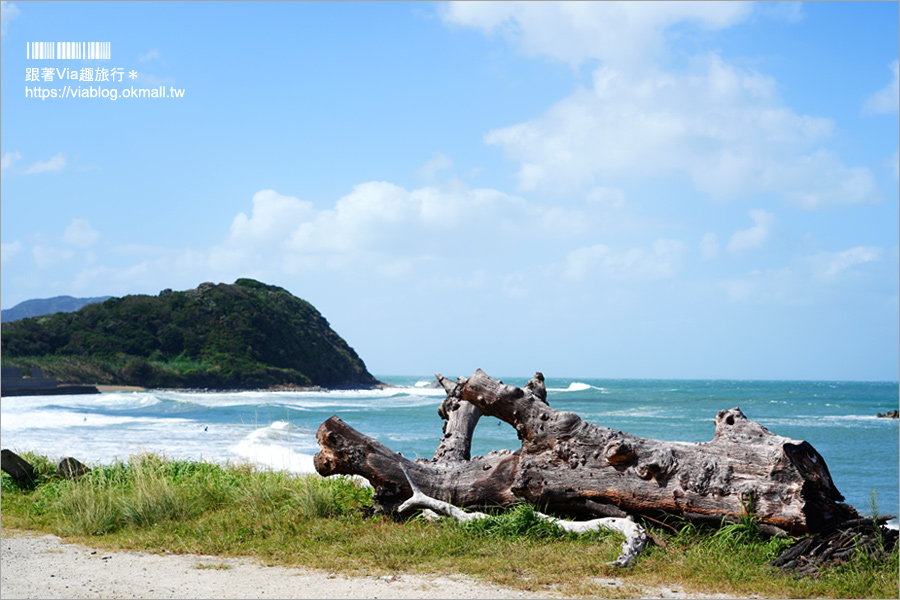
<point x="17" y="467"/>
<point x="891" y="414"/>
<point x="72" y="468"/>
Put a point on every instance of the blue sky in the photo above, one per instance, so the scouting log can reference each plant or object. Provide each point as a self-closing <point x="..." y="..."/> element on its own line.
<point x="674" y="190"/>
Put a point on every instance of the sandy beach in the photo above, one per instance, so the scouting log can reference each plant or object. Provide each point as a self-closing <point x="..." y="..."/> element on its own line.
<point x="43" y="566"/>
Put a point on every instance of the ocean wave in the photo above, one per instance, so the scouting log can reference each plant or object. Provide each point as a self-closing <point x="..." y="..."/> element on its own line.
<point x="275" y="447"/>
<point x="64" y="419"/>
<point x="637" y="413"/>
<point x="577" y="386"/>
<point x="825" y="421"/>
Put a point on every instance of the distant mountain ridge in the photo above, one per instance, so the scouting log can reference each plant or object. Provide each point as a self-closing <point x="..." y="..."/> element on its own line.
<point x="46" y="306"/>
<point x="245" y="335"/>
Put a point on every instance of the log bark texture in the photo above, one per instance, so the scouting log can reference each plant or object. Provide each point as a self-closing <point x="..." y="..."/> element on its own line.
<point x="569" y="466"/>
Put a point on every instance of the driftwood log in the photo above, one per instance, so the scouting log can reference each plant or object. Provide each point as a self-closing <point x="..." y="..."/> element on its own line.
<point x="571" y="467"/>
<point x="635" y="535"/>
<point x="838" y="544"/>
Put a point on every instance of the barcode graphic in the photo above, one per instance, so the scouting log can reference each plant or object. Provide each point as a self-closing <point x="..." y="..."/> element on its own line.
<point x="67" y="50"/>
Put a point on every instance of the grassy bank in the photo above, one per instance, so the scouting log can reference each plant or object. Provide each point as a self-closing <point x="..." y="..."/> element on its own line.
<point x="153" y="504"/>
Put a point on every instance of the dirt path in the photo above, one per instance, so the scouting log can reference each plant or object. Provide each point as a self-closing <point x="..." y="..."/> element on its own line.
<point x="42" y="566"/>
<point x="45" y="567"/>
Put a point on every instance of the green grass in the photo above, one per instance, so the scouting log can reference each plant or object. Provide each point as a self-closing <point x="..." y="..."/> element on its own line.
<point x="154" y="504"/>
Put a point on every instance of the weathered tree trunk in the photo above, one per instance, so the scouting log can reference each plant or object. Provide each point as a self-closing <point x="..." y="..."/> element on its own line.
<point x="635" y="535"/>
<point x="569" y="466"/>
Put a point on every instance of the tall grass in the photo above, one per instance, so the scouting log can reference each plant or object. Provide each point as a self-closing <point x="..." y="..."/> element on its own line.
<point x="151" y="489"/>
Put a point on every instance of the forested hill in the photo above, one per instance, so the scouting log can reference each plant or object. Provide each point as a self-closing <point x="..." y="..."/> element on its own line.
<point x="246" y="335"/>
<point x="46" y="306"/>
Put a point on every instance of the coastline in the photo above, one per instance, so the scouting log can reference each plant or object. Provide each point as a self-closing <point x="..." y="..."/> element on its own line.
<point x="277" y="388"/>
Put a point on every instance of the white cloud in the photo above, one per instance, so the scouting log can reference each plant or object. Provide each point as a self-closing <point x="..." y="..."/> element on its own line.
<point x="709" y="246"/>
<point x="273" y="217"/>
<point x="724" y="127"/>
<point x="820" y="180"/>
<point x="55" y="164"/>
<point x="150" y="55"/>
<point x="439" y="162"/>
<point x="8" y="13"/>
<point x="887" y="99"/>
<point x="781" y="286"/>
<point x="810" y="279"/>
<point x="8" y="250"/>
<point x="49" y="256"/>
<point x="382" y="228"/>
<point x="625" y="34"/>
<point x="662" y="260"/>
<point x="80" y="233"/>
<point x="381" y="232"/>
<point x="791" y="12"/>
<point x="379" y="226"/>
<point x="383" y="217"/>
<point x="8" y="159"/>
<point x="827" y="265"/>
<point x="754" y="237"/>
<point x="607" y="197"/>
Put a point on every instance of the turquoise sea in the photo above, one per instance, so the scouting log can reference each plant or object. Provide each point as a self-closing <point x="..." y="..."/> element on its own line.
<point x="277" y="429"/>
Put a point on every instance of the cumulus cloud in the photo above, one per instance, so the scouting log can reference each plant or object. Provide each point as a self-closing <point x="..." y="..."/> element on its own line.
<point x="8" y="250"/>
<point x="439" y="162"/>
<point x="780" y="286"/>
<point x="49" y="256"/>
<point x="887" y="99"/>
<point x="827" y="265"/>
<point x="709" y="246"/>
<point x="662" y="260"/>
<point x="820" y="180"/>
<point x="380" y="225"/>
<point x="79" y="233"/>
<point x="8" y="13"/>
<point x="272" y="218"/>
<point x="8" y="159"/>
<point x="382" y="217"/>
<point x="150" y="55"/>
<point x="725" y="127"/>
<point x="607" y="197"/>
<point x="756" y="236"/>
<point x="55" y="164"/>
<point x="626" y="34"/>
<point x="398" y="233"/>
